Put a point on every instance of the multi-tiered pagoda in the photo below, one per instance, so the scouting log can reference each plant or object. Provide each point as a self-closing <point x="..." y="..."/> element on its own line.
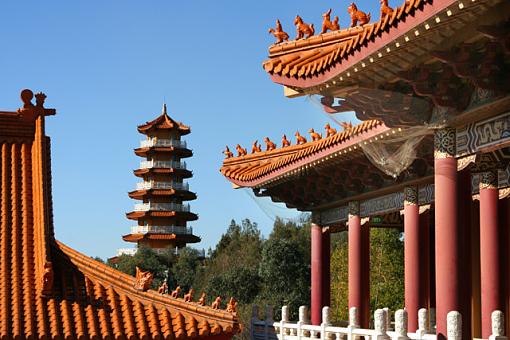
<point x="162" y="214"/>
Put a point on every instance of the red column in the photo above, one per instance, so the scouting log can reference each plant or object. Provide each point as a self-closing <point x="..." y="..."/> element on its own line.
<point x="464" y="194"/>
<point x="412" y="266"/>
<point x="490" y="252"/>
<point x="425" y="259"/>
<point x="326" y="268"/>
<point x="447" y="228"/>
<point x="317" y="275"/>
<point x="358" y="268"/>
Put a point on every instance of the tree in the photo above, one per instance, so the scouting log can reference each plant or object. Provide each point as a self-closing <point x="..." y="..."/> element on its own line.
<point x="386" y="272"/>
<point x="285" y="274"/>
<point x="148" y="260"/>
<point x="185" y="269"/>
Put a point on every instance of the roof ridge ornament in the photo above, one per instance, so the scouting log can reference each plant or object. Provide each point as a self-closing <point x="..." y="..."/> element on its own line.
<point x="163" y="110"/>
<point x="278" y="33"/>
<point x="357" y="15"/>
<point x="29" y="111"/>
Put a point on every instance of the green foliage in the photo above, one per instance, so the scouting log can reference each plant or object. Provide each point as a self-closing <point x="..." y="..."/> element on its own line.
<point x="285" y="274"/>
<point x="148" y="260"/>
<point x="386" y="269"/>
<point x="386" y="272"/>
<point x="184" y="270"/>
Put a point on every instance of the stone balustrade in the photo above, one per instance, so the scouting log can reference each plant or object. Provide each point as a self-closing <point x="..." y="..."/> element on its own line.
<point x="286" y="330"/>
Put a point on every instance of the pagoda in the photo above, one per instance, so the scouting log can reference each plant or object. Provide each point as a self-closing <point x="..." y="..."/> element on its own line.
<point x="162" y="214"/>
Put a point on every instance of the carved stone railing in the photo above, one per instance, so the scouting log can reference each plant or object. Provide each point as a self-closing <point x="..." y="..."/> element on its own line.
<point x="162" y="164"/>
<point x="161" y="185"/>
<point x="286" y="330"/>
<point x="163" y="142"/>
<point x="145" y="229"/>
<point x="161" y="207"/>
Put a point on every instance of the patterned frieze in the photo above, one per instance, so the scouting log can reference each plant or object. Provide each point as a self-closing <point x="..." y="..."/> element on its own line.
<point x="383" y="204"/>
<point x="426" y="194"/>
<point x="334" y="215"/>
<point x="444" y="143"/>
<point x="483" y="135"/>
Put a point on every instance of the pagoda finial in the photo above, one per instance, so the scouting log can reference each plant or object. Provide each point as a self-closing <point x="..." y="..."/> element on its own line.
<point x="163" y="110"/>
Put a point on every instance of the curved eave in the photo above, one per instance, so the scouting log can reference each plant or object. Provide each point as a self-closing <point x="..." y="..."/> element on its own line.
<point x="146" y="129"/>
<point x="182" y="152"/>
<point x="164" y="171"/>
<point x="183" y="194"/>
<point x="278" y="170"/>
<point x="123" y="283"/>
<point x="161" y="237"/>
<point x="179" y="215"/>
<point x="387" y="32"/>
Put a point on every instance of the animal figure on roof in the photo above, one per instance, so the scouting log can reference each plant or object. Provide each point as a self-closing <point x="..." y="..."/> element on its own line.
<point x="189" y="297"/>
<point x="232" y="306"/>
<point x="201" y="301"/>
<point x="269" y="145"/>
<point x="385" y="9"/>
<point x="216" y="303"/>
<point x="241" y="151"/>
<point x="278" y="33"/>
<point x="299" y="139"/>
<point x="315" y="136"/>
<point x="163" y="289"/>
<point x="357" y="15"/>
<point x="327" y="24"/>
<point x="227" y="152"/>
<point x="285" y="141"/>
<point x="143" y="279"/>
<point x="329" y="130"/>
<point x="256" y="147"/>
<point x="346" y="125"/>
<point x="303" y="29"/>
<point x="176" y="292"/>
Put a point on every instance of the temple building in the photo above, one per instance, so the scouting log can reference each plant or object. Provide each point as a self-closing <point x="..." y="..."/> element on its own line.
<point x="49" y="290"/>
<point x="429" y="81"/>
<point x="162" y="214"/>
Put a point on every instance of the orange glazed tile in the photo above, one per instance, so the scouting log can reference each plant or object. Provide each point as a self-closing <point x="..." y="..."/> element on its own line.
<point x="49" y="290"/>
<point x="244" y="169"/>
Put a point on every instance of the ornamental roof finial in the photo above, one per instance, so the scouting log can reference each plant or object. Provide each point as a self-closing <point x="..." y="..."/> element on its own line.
<point x="163" y="110"/>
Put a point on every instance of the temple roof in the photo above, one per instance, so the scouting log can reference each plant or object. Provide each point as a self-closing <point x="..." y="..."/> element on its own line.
<point x="324" y="58"/>
<point x="47" y="289"/>
<point x="164" y="122"/>
<point x="260" y="168"/>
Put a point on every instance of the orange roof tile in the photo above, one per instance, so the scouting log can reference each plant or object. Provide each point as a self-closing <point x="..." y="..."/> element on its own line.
<point x="164" y="122"/>
<point x="47" y="289"/>
<point x="256" y="169"/>
<point x="315" y="56"/>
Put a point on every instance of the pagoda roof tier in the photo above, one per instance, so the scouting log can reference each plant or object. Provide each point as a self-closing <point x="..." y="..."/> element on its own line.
<point x="144" y="194"/>
<point x="377" y="52"/>
<point x="161" y="150"/>
<point x="164" y="122"/>
<point x="261" y="168"/>
<point x="51" y="291"/>
<point x="161" y="237"/>
<point x="178" y="215"/>
<point x="181" y="173"/>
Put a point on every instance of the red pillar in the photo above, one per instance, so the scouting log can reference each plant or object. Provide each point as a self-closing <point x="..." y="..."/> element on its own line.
<point x="413" y="283"/>
<point x="358" y="241"/>
<point x="447" y="228"/>
<point x="326" y="267"/>
<point x="317" y="274"/>
<point x="425" y="259"/>
<point x="490" y="252"/>
<point x="464" y="194"/>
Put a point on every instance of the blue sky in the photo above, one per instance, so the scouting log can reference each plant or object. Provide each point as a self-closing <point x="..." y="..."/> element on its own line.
<point x="107" y="66"/>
